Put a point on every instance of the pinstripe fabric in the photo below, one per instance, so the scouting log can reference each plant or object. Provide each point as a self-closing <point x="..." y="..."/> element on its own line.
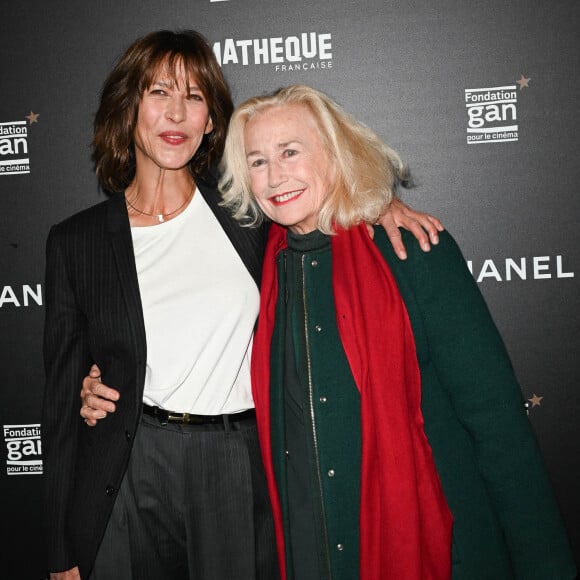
<point x="189" y="525"/>
<point x="93" y="314"/>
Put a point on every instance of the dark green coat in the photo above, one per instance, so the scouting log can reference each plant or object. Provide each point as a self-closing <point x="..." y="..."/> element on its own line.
<point x="507" y="524"/>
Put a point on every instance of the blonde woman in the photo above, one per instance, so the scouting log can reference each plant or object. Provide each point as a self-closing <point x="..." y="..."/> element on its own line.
<point x="392" y="427"/>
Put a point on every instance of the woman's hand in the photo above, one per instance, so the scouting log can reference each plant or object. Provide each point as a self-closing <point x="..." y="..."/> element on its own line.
<point x="423" y="226"/>
<point x="97" y="399"/>
<point x="72" y="574"/>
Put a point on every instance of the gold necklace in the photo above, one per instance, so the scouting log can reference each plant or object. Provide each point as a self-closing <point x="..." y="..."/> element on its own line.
<point x="161" y="216"/>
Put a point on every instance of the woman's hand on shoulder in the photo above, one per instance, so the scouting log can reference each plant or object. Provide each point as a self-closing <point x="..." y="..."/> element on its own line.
<point x="423" y="226"/>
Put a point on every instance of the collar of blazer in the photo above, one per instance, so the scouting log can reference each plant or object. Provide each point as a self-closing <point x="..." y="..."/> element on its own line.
<point x="248" y="242"/>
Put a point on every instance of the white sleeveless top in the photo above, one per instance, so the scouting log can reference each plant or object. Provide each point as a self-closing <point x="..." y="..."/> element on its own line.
<point x="200" y="304"/>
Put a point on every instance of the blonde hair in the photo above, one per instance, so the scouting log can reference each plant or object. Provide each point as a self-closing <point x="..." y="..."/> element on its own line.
<point x="367" y="170"/>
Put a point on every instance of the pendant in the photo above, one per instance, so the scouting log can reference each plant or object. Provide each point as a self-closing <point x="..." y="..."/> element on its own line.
<point x="160" y="218"/>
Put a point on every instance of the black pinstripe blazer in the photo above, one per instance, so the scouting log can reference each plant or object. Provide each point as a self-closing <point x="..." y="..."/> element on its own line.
<point x="94" y="314"/>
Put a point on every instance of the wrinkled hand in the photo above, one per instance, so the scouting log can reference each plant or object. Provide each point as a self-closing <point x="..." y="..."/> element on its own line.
<point x="97" y="400"/>
<point x="423" y="226"/>
<point x="72" y="574"/>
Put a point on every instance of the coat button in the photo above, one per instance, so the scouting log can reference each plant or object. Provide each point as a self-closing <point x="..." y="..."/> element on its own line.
<point x="323" y="399"/>
<point x="331" y="473"/>
<point x="340" y="547"/>
<point x="128" y="435"/>
<point x="110" y="490"/>
<point x="314" y="263"/>
<point x="318" y="328"/>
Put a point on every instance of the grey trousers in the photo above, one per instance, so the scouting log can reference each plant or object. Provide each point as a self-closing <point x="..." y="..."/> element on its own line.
<point x="193" y="505"/>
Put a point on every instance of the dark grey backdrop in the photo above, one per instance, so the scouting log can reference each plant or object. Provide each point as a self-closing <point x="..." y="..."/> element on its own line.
<point x="403" y="68"/>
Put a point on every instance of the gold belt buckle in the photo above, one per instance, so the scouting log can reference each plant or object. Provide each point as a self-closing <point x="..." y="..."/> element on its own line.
<point x="176" y="417"/>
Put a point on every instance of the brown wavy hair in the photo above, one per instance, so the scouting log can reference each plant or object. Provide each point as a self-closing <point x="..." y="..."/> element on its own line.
<point x="136" y="69"/>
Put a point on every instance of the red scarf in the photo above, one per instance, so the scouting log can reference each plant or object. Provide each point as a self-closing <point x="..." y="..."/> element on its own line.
<point x="405" y="524"/>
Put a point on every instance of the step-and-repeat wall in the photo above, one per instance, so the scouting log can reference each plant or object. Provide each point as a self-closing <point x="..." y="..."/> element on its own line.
<point x="480" y="98"/>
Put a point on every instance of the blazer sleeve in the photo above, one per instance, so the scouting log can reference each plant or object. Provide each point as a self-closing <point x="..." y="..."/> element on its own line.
<point x="473" y="366"/>
<point x="66" y="360"/>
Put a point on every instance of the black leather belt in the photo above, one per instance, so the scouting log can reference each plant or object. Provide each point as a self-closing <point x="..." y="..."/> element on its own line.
<point x="165" y="417"/>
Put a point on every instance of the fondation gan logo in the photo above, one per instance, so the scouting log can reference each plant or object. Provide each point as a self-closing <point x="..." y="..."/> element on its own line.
<point x="492" y="115"/>
<point x="14" y="158"/>
<point x="304" y="51"/>
<point x="23" y="449"/>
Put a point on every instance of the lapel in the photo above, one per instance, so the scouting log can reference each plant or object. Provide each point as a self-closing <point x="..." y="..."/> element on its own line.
<point x="119" y="232"/>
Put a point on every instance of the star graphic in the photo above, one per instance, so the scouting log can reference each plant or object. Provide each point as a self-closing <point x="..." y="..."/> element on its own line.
<point x="535" y="400"/>
<point x="523" y="82"/>
<point x="32" y="118"/>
